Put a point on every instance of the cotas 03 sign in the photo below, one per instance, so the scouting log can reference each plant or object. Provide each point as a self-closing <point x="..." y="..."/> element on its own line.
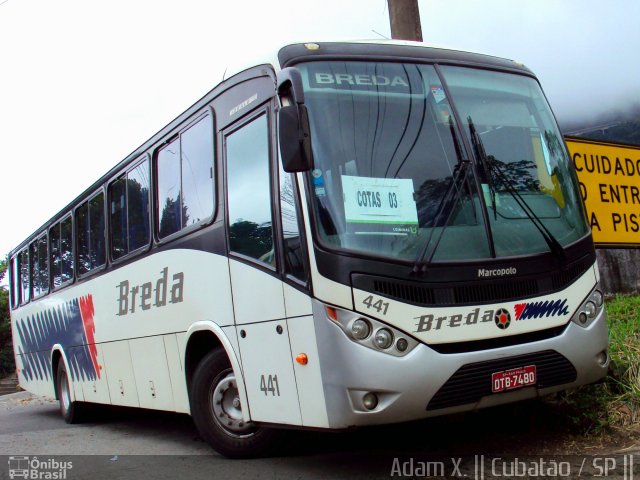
<point x="609" y="176"/>
<point x="150" y="294"/>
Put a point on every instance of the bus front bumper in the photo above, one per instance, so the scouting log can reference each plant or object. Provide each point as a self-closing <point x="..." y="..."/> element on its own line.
<point x="426" y="383"/>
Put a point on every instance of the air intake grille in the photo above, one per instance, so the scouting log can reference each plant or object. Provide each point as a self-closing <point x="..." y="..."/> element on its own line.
<point x="411" y="293"/>
<point x="473" y="381"/>
<point x="471" y="293"/>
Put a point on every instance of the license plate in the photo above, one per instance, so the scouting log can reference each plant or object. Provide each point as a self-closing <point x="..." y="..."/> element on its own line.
<point x="513" y="379"/>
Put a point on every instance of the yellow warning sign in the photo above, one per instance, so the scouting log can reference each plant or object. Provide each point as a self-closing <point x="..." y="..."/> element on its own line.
<point x="609" y="176"/>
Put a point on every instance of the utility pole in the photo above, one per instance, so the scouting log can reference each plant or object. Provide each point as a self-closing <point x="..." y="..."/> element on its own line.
<point x="404" y="17"/>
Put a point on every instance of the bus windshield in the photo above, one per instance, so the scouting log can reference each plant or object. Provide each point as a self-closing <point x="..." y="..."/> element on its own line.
<point x="391" y="174"/>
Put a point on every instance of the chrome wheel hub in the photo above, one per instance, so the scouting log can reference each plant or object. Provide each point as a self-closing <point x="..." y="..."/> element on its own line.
<point x="224" y="402"/>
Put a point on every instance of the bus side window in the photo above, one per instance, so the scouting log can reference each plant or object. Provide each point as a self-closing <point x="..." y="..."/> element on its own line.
<point x="34" y="273"/>
<point x="66" y="249"/>
<point x="184" y="190"/>
<point x="61" y="252"/>
<point x="25" y="284"/>
<point x="168" y="189"/>
<point x="118" y="217"/>
<point x="249" y="220"/>
<point x="56" y="258"/>
<point x="291" y="241"/>
<point x="138" y="206"/>
<point x="129" y="211"/>
<point x="39" y="267"/>
<point x="15" y="282"/>
<point x="90" y="239"/>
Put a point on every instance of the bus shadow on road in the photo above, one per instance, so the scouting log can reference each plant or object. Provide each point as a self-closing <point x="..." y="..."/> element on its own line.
<point x="526" y="428"/>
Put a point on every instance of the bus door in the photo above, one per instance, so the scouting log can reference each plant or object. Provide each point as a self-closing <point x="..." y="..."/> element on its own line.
<point x="257" y="290"/>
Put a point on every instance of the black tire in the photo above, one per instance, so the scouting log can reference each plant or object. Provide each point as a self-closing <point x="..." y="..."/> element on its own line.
<point x="220" y="422"/>
<point x="71" y="411"/>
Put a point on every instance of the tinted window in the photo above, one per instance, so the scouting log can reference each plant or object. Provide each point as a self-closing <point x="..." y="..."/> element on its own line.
<point x="60" y="247"/>
<point x="292" y="246"/>
<point x="82" y="238"/>
<point x="66" y="249"/>
<point x="96" y="220"/>
<point x="169" y="189"/>
<point x="138" y="206"/>
<point x="129" y="210"/>
<point x="185" y="179"/>
<point x="15" y="283"/>
<point x="23" y="266"/>
<point x="197" y="172"/>
<point x="90" y="234"/>
<point x="39" y="267"/>
<point x="118" y="217"/>
<point x="35" y="279"/>
<point x="250" y="230"/>
<point x="56" y="257"/>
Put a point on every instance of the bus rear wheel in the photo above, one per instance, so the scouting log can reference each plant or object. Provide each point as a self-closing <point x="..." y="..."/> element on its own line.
<point x="217" y="411"/>
<point x="70" y="410"/>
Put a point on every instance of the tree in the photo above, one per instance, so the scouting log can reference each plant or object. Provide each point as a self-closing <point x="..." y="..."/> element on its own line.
<point x="7" y="363"/>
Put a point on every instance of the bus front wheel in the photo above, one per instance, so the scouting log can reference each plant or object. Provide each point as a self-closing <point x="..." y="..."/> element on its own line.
<point x="69" y="409"/>
<point x="217" y="411"/>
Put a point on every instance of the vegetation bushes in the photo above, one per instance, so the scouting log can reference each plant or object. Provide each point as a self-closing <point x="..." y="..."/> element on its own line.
<point x="7" y="364"/>
<point x="614" y="403"/>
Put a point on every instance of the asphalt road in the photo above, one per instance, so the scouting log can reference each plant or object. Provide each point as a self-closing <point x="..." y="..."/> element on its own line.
<point x="140" y="444"/>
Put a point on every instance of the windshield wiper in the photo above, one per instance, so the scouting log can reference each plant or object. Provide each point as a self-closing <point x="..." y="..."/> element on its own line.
<point x="491" y="167"/>
<point x="450" y="199"/>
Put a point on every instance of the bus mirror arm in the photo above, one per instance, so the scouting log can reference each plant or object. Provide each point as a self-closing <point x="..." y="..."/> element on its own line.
<point x="294" y="133"/>
<point x="290" y="85"/>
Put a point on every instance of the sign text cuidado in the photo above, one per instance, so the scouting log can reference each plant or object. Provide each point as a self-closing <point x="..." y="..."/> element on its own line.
<point x="609" y="176"/>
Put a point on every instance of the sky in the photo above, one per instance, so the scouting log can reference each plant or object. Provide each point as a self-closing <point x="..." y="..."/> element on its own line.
<point x="85" y="82"/>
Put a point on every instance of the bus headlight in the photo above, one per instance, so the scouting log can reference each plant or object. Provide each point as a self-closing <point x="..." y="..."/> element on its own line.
<point x="383" y="338"/>
<point x="597" y="297"/>
<point x="360" y="329"/>
<point x="370" y="332"/>
<point x="590" y="308"/>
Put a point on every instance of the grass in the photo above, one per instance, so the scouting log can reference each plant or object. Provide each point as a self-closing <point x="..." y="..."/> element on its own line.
<point x="615" y="403"/>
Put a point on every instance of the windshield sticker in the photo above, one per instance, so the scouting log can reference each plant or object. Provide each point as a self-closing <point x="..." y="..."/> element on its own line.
<point x="438" y="93"/>
<point x="318" y="183"/>
<point x="380" y="201"/>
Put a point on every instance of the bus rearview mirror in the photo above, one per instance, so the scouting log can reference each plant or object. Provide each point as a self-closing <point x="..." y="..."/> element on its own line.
<point x="295" y="139"/>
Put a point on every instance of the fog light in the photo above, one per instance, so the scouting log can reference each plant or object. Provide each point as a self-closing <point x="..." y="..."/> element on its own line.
<point x="402" y="344"/>
<point x="582" y="317"/>
<point x="360" y="329"/>
<point x="370" y="401"/>
<point x="602" y="358"/>
<point x="597" y="298"/>
<point x="383" y="338"/>
<point x="590" y="309"/>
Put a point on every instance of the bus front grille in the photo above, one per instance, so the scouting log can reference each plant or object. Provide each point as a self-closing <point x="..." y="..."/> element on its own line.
<point x="473" y="381"/>
<point x="441" y="294"/>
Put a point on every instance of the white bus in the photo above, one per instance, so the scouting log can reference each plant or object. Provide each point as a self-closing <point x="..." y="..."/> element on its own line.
<point x="351" y="234"/>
